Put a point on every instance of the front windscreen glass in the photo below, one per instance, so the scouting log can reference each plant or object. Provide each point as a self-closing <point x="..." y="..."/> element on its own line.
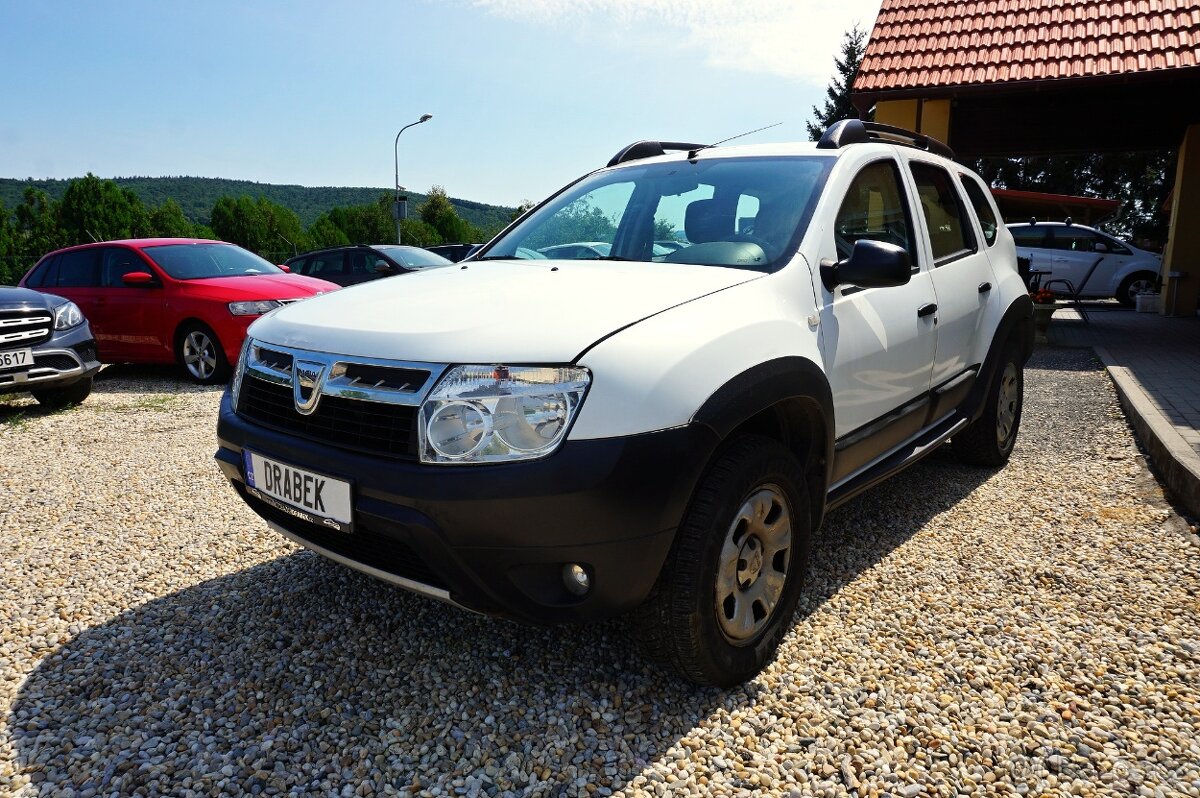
<point x="414" y="257"/>
<point x="746" y="213"/>
<point x="197" y="261"/>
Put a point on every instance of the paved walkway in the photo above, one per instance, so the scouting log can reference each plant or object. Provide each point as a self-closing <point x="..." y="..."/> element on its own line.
<point x="1155" y="363"/>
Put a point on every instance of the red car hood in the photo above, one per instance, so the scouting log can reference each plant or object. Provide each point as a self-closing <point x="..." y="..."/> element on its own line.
<point x="268" y="286"/>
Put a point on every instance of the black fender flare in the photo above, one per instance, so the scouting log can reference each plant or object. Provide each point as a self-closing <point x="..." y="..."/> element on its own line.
<point x="1016" y="326"/>
<point x="765" y="385"/>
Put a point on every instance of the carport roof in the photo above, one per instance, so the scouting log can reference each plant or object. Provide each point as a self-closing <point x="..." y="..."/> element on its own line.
<point x="923" y="44"/>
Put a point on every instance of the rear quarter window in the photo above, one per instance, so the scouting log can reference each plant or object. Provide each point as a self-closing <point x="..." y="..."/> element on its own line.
<point x="44" y="274"/>
<point x="977" y="194"/>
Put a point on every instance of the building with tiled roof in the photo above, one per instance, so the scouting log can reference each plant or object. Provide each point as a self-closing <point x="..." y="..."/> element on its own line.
<point x="1044" y="77"/>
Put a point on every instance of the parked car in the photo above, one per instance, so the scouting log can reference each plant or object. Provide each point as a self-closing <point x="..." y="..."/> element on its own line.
<point x="158" y="300"/>
<point x="553" y="441"/>
<point x="454" y="252"/>
<point x="1067" y="251"/>
<point x="359" y="263"/>
<point x="46" y="348"/>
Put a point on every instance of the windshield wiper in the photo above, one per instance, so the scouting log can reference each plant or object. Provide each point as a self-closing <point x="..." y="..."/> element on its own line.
<point x="609" y="257"/>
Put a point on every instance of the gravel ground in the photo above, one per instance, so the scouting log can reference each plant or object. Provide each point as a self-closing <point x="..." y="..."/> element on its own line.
<point x="1030" y="631"/>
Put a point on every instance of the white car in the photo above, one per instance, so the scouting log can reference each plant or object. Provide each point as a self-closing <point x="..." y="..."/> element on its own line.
<point x="553" y="440"/>
<point x="1068" y="251"/>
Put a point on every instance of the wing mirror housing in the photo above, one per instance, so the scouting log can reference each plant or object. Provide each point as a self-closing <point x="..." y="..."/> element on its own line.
<point x="872" y="264"/>
<point x="138" y="279"/>
<point x="284" y="267"/>
<point x="1099" y="246"/>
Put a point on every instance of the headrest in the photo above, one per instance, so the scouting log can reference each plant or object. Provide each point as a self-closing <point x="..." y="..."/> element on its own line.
<point x="708" y="220"/>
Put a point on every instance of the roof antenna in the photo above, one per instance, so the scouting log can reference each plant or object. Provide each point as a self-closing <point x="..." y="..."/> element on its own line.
<point x="692" y="154"/>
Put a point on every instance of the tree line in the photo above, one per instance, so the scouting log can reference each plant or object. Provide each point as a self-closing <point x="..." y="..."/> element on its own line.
<point x="92" y="209"/>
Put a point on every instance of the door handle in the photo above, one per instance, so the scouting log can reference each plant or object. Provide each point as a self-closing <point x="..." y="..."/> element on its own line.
<point x="985" y="287"/>
<point x="927" y="309"/>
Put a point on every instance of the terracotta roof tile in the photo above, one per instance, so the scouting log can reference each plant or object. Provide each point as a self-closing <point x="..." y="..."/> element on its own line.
<point x="927" y="43"/>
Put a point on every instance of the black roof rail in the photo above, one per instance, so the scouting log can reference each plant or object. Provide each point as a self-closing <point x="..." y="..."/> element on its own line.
<point x="856" y="131"/>
<point x="649" y="149"/>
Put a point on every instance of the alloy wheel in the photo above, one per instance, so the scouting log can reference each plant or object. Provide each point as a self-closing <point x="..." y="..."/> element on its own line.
<point x="199" y="354"/>
<point x="1006" y="407"/>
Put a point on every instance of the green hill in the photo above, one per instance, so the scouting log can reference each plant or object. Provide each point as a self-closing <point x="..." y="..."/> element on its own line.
<point x="196" y="196"/>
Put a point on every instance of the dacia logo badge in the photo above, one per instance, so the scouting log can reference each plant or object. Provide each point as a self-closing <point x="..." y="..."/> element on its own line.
<point x="307" y="379"/>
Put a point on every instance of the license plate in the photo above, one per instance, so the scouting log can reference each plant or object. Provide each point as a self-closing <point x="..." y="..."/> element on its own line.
<point x="16" y="359"/>
<point x="307" y="495"/>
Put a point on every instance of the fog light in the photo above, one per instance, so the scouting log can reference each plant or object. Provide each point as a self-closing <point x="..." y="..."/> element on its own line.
<point x="576" y="579"/>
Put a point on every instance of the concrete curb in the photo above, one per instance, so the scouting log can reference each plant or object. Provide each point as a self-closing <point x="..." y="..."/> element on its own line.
<point x="1175" y="461"/>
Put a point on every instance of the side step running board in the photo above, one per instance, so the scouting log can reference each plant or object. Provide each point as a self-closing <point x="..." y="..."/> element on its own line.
<point x="899" y="458"/>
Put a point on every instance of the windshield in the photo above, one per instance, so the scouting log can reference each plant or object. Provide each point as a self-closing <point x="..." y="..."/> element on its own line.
<point x="197" y="261"/>
<point x="747" y="213"/>
<point x="414" y="257"/>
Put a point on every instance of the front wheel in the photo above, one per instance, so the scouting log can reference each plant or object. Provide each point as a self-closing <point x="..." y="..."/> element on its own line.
<point x="1134" y="284"/>
<point x="199" y="354"/>
<point x="729" y="588"/>
<point x="989" y="440"/>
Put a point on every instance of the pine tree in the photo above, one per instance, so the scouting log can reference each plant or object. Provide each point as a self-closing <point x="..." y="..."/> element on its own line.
<point x="837" y="102"/>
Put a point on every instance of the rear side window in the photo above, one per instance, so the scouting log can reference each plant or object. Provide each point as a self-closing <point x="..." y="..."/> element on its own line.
<point x="1033" y="236"/>
<point x="874" y="209"/>
<point x="949" y="234"/>
<point x="325" y="264"/>
<point x="79" y="269"/>
<point x="1072" y="239"/>
<point x="44" y="274"/>
<point x="977" y="194"/>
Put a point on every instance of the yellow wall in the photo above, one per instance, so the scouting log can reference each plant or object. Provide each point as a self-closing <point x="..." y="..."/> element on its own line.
<point x="1183" y="242"/>
<point x="933" y="116"/>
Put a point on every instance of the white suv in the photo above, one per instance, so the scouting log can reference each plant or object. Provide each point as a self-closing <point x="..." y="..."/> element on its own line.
<point x="563" y="440"/>
<point x="1062" y="251"/>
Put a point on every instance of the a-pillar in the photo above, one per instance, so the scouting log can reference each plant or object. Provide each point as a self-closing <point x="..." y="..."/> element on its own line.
<point x="1181" y="262"/>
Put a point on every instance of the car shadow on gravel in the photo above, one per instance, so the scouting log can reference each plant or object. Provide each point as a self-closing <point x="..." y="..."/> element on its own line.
<point x="299" y="673"/>
<point x="144" y="378"/>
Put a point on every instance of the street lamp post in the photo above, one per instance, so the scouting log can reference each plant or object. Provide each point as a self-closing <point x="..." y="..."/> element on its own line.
<point x="397" y="210"/>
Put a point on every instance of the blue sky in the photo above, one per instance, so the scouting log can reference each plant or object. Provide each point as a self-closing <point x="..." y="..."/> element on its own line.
<point x="526" y="95"/>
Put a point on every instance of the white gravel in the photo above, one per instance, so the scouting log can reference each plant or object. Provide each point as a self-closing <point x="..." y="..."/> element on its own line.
<point x="1033" y="631"/>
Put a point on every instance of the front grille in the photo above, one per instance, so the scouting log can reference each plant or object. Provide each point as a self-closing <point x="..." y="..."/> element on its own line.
<point x="20" y="328"/>
<point x="363" y="545"/>
<point x="370" y="427"/>
<point x="280" y="361"/>
<point x="395" y="379"/>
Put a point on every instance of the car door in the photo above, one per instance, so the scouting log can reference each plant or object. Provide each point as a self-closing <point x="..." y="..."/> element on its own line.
<point x="364" y="265"/>
<point x="329" y="266"/>
<point x="962" y="274"/>
<point x="131" y="314"/>
<point x="77" y="278"/>
<point x="878" y="343"/>
<point x="1073" y="255"/>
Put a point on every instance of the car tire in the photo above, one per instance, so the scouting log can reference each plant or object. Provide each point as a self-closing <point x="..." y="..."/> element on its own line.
<point x="989" y="440"/>
<point x="1133" y="285"/>
<point x="198" y="352"/>
<point x="745" y="534"/>
<point x="72" y="394"/>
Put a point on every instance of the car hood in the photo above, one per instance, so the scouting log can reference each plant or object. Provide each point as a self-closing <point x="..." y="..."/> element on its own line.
<point x="520" y="311"/>
<point x="265" y="286"/>
<point x="11" y="298"/>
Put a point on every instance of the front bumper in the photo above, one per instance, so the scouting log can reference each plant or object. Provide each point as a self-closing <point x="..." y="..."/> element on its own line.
<point x="494" y="539"/>
<point x="65" y="359"/>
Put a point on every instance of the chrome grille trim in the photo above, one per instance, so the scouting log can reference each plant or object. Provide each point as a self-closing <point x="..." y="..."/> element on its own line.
<point x="18" y="321"/>
<point x="272" y="369"/>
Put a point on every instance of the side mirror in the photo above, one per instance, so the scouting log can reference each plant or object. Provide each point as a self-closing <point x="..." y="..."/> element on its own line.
<point x="1099" y="246"/>
<point x="384" y="268"/>
<point x="285" y="267"/>
<point x="138" y="279"/>
<point x="872" y="264"/>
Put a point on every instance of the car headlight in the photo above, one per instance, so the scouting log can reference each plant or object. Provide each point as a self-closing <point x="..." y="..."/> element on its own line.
<point x="499" y="414"/>
<point x="253" y="308"/>
<point x="235" y="385"/>
<point x="67" y="315"/>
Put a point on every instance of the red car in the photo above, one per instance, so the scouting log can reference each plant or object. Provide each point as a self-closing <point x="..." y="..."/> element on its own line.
<point x="158" y="300"/>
